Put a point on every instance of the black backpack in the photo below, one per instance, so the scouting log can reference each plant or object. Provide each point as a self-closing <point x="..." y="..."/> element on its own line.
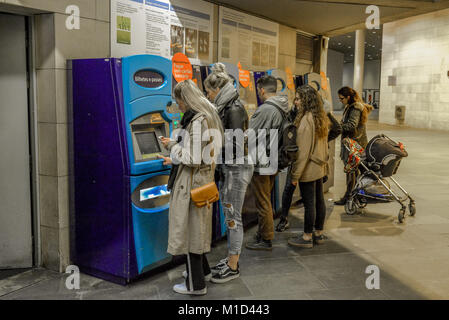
<point x="287" y="147"/>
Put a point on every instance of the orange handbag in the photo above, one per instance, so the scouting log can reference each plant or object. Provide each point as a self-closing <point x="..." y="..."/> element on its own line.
<point x="204" y="195"/>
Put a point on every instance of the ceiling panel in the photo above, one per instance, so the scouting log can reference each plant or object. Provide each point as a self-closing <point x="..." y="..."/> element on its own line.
<point x="326" y="16"/>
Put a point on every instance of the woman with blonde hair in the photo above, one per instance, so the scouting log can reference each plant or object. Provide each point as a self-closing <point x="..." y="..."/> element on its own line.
<point x="353" y="124"/>
<point x="190" y="227"/>
<point x="311" y="166"/>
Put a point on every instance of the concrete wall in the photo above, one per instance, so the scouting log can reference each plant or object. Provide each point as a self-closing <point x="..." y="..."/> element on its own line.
<point x="335" y="65"/>
<point x="416" y="52"/>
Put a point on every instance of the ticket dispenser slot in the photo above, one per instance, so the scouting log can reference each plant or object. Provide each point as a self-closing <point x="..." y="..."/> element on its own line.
<point x="151" y="193"/>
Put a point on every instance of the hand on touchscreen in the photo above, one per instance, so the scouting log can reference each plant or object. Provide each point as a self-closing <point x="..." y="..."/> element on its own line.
<point x="167" y="160"/>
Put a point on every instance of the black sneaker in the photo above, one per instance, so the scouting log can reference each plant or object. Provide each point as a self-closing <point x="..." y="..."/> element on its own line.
<point x="319" y="239"/>
<point x="259" y="244"/>
<point x="282" y="225"/>
<point x="226" y="274"/>
<point x="220" y="265"/>
<point x="341" y="202"/>
<point x="299" y="241"/>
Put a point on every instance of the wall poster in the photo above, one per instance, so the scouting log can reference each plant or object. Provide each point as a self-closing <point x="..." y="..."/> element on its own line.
<point x="163" y="28"/>
<point x="247" y="39"/>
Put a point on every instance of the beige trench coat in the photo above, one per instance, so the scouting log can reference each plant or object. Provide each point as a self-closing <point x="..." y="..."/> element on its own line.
<point x="190" y="227"/>
<point x="313" y="154"/>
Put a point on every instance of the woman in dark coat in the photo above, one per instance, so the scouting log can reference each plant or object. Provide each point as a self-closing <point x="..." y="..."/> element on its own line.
<point x="353" y="124"/>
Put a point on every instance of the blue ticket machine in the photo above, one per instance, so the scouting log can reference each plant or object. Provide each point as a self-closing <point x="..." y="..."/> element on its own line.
<point x="119" y="192"/>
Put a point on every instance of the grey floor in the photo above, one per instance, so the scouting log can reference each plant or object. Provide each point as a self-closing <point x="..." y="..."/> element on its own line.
<point x="413" y="258"/>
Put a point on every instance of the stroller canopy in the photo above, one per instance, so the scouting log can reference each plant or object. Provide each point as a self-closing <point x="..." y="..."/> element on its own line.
<point x="381" y="148"/>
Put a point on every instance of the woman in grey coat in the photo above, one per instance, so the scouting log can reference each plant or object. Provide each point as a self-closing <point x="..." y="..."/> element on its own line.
<point x="194" y="155"/>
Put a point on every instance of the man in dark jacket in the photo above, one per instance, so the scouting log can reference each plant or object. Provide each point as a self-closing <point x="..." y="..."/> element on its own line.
<point x="268" y="117"/>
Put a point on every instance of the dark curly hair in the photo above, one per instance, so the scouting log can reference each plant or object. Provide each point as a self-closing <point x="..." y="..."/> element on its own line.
<point x="312" y="102"/>
<point x="354" y="97"/>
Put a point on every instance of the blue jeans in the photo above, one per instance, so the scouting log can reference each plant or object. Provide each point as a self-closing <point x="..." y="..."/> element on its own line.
<point x="236" y="179"/>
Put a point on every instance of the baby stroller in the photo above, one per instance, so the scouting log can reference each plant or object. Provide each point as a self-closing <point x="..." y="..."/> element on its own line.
<point x="378" y="162"/>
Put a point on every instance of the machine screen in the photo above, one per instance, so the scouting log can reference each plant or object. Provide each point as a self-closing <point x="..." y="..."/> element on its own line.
<point x="148" y="143"/>
<point x="154" y="192"/>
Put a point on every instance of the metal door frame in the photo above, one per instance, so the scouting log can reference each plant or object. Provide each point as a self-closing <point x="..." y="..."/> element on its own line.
<point x="33" y="141"/>
<point x="32" y="133"/>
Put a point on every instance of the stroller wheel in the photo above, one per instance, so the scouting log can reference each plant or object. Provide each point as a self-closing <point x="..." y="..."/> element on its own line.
<point x="350" y="207"/>
<point x="412" y="209"/>
<point x="401" y="215"/>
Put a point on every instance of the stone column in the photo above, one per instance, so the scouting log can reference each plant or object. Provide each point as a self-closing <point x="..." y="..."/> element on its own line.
<point x="359" y="60"/>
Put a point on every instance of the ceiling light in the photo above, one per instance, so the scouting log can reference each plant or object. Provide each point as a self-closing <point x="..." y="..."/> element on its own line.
<point x="349" y="47"/>
<point x="339" y="43"/>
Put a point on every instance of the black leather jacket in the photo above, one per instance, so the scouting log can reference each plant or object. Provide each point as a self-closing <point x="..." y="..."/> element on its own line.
<point x="234" y="116"/>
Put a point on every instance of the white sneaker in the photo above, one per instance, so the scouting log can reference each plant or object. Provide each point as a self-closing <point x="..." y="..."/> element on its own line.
<point x="207" y="277"/>
<point x="182" y="289"/>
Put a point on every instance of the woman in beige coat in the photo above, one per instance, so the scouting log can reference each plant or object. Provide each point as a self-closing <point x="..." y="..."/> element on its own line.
<point x="311" y="166"/>
<point x="193" y="157"/>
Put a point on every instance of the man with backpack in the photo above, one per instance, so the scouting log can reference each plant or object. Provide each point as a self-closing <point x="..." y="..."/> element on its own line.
<point x="271" y="115"/>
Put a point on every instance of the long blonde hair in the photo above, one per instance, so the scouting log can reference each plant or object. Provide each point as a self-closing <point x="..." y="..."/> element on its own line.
<point x="188" y="92"/>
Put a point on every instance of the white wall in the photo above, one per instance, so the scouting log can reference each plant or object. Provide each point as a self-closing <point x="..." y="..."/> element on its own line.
<point x="416" y="52"/>
<point x="334" y="72"/>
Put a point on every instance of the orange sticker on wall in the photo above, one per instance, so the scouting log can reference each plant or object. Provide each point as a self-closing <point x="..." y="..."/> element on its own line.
<point x="182" y="68"/>
<point x="244" y="76"/>
<point x="290" y="82"/>
<point x="323" y="80"/>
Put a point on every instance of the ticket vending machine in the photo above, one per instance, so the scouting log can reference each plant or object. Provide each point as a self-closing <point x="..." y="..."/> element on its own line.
<point x="248" y="96"/>
<point x="200" y="74"/>
<point x="119" y="196"/>
<point x="283" y="81"/>
<point x="233" y="72"/>
<point x="299" y="81"/>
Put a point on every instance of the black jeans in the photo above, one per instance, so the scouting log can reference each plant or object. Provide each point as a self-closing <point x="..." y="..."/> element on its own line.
<point x="197" y="267"/>
<point x="287" y="195"/>
<point x="314" y="205"/>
